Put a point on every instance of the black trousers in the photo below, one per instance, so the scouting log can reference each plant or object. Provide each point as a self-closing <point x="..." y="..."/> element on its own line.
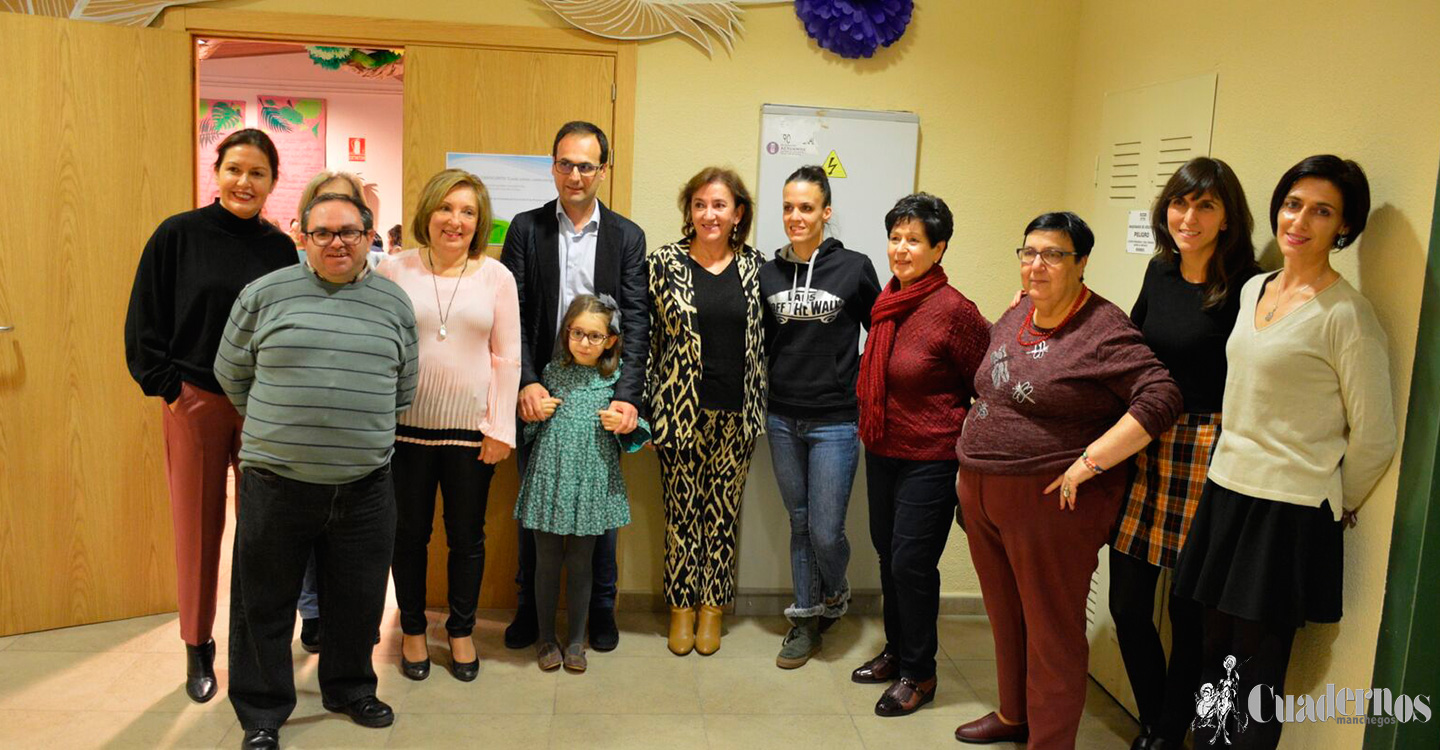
<point x="912" y="505"/>
<point x="1165" y="695"/>
<point x="605" y="580"/>
<point x="1261" y="652"/>
<point x="464" y="481"/>
<point x="278" y="522"/>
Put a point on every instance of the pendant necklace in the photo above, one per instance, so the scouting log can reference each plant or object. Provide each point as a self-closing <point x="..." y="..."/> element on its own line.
<point x="434" y="276"/>
<point x="1028" y="325"/>
<point x="1280" y="298"/>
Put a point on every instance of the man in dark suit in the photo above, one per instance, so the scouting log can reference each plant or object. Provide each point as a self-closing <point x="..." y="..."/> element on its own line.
<point x="567" y="247"/>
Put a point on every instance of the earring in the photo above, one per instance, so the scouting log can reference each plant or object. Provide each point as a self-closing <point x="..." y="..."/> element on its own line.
<point x="735" y="236"/>
<point x="1341" y="241"/>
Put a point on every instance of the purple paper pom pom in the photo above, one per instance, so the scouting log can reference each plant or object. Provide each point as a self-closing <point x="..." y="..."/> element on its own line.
<point x="854" y="28"/>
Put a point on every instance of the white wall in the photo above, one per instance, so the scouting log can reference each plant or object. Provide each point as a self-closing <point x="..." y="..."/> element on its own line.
<point x="357" y="107"/>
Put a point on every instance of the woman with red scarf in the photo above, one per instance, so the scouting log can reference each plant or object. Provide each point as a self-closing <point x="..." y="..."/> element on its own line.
<point x="915" y="386"/>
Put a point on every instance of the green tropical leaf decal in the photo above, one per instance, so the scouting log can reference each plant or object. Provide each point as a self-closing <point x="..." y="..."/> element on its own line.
<point x="225" y="115"/>
<point x="315" y="130"/>
<point x="273" y="117"/>
<point x="310" y="108"/>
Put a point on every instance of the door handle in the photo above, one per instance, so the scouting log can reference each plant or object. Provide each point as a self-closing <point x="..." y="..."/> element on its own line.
<point x="6" y="329"/>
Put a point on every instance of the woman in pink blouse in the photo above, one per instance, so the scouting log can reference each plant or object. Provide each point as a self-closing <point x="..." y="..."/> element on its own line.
<point x="462" y="423"/>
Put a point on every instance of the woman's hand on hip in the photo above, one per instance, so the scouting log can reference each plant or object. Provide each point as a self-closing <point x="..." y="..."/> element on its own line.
<point x="1069" y="484"/>
<point x="493" y="451"/>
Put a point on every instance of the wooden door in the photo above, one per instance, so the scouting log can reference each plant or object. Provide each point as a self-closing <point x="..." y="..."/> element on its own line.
<point x="497" y="102"/>
<point x="96" y="152"/>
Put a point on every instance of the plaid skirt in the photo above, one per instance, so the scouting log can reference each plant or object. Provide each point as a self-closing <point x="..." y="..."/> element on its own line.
<point x="1165" y="490"/>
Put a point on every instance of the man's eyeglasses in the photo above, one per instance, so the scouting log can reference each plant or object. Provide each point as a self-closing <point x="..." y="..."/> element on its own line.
<point x="585" y="169"/>
<point x="594" y="339"/>
<point x="1051" y="257"/>
<point x="326" y="236"/>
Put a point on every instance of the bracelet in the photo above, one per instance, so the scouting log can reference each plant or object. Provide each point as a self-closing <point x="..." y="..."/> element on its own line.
<point x="1091" y="465"/>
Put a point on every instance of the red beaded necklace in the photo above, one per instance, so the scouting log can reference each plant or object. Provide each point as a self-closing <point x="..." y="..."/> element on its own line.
<point x="1028" y="326"/>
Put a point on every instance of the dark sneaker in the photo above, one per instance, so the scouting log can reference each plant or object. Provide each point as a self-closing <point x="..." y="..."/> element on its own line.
<point x="801" y="643"/>
<point x="524" y="630"/>
<point x="604" y="635"/>
<point x="310" y="634"/>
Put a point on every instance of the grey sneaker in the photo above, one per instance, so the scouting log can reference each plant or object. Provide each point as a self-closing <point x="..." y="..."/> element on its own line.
<point x="801" y="643"/>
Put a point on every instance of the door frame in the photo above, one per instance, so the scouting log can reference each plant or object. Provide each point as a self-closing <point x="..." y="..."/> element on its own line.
<point x="1406" y="659"/>
<point x="304" y="27"/>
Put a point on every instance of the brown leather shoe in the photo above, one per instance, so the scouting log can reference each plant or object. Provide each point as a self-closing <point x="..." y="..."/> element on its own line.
<point x="682" y="630"/>
<point x="905" y="697"/>
<point x="548" y="656"/>
<point x="989" y="728"/>
<point x="882" y="668"/>
<point x="707" y="630"/>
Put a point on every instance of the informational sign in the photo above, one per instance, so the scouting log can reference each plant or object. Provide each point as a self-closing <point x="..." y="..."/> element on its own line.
<point x="218" y="118"/>
<point x="297" y="126"/>
<point x="357" y="149"/>
<point x="1138" y="237"/>
<point x="516" y="183"/>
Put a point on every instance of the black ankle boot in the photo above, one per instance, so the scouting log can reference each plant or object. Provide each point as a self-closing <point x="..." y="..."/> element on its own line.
<point x="200" y="671"/>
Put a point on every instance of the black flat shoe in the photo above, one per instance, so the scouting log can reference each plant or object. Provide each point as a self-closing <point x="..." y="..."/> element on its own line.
<point x="604" y="634"/>
<point x="261" y="739"/>
<point x="882" y="668"/>
<point x="415" y="670"/>
<point x="368" y="711"/>
<point x="465" y="671"/>
<point x="523" y="631"/>
<point x="200" y="682"/>
<point x="310" y="635"/>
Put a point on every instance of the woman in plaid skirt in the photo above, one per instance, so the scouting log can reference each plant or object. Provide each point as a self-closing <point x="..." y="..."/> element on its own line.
<point x="1186" y="309"/>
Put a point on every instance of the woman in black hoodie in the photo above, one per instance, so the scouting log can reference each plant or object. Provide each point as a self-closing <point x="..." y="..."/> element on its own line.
<point x="817" y="297"/>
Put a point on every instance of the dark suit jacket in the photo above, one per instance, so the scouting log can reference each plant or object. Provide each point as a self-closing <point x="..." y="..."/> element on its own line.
<point x="532" y="254"/>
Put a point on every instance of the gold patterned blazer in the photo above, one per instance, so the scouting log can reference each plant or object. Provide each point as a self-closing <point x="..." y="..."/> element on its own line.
<point x="673" y="372"/>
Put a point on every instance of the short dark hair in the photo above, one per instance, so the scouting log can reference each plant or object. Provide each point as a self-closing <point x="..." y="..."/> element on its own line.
<point x="250" y="137"/>
<point x="731" y="180"/>
<point x="367" y="219"/>
<point x="930" y="211"/>
<point x="581" y="127"/>
<point x="1073" y="226"/>
<point x="589" y="303"/>
<point x="1346" y="176"/>
<point x="814" y="174"/>
<point x="1234" y="257"/>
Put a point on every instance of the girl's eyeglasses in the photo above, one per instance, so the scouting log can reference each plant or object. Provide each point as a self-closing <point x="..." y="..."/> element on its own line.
<point x="594" y="339"/>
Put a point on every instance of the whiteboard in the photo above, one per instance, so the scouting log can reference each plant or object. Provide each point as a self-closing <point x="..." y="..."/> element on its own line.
<point x="877" y="153"/>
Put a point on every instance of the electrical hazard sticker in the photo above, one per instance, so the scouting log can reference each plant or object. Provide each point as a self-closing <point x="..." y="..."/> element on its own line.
<point x="833" y="167"/>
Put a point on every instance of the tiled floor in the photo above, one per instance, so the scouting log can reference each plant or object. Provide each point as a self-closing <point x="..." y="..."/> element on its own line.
<point x="118" y="685"/>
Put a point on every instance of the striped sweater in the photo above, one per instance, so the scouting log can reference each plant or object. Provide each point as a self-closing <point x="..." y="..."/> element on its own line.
<point x="319" y="371"/>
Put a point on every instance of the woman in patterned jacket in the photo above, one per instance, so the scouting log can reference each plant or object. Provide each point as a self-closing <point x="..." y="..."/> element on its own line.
<point x="706" y="393"/>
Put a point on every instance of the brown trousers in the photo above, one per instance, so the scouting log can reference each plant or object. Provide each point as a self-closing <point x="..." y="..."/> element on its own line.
<point x="1034" y="561"/>
<point x="202" y="439"/>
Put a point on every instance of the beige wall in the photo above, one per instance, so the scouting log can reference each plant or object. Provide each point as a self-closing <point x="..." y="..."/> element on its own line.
<point x="1297" y="78"/>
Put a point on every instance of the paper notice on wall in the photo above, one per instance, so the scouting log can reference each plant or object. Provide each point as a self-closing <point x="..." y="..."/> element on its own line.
<point x="1138" y="237"/>
<point x="297" y="126"/>
<point x="791" y="136"/>
<point x="516" y="183"/>
<point x="217" y="119"/>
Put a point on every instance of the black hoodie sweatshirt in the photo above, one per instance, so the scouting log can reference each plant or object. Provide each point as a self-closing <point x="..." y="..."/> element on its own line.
<point x="813" y="315"/>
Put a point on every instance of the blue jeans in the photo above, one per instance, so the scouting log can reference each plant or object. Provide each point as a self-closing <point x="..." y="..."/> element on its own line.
<point x="815" y="466"/>
<point x="309" y="604"/>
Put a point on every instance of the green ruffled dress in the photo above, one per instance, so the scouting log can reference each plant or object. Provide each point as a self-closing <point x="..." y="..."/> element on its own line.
<point x="572" y="484"/>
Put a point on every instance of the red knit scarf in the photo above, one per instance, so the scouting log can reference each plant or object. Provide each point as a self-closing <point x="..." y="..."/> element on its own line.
<point x="891" y="308"/>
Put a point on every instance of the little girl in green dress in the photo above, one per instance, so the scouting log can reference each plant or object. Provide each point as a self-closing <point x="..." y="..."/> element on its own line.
<point x="572" y="490"/>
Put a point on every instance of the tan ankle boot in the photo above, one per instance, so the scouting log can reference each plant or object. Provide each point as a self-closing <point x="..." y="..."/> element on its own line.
<point x="707" y="632"/>
<point x="682" y="630"/>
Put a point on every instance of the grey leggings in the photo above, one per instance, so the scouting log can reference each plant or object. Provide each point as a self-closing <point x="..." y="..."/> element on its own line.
<point x="576" y="552"/>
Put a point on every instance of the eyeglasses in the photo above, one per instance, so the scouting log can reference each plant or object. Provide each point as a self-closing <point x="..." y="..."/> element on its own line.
<point x="585" y="169"/>
<point x="594" y="339"/>
<point x="326" y="236"/>
<point x="1051" y="257"/>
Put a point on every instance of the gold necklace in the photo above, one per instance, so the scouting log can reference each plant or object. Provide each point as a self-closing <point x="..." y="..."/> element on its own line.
<point x="1281" y="296"/>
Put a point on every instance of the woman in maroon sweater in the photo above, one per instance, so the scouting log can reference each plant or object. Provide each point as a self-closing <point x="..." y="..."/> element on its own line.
<point x="926" y="341"/>
<point x="1070" y="389"/>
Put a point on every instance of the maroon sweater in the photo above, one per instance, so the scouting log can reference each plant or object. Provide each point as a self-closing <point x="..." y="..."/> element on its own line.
<point x="1038" y="407"/>
<point x="930" y="376"/>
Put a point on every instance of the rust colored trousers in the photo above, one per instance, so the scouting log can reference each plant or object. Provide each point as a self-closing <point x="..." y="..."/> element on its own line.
<point x="1034" y="562"/>
<point x="202" y="440"/>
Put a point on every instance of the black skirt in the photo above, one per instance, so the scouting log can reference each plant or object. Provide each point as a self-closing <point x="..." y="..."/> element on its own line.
<point x="1263" y="560"/>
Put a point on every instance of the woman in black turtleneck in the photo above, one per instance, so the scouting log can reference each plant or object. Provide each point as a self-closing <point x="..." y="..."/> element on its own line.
<point x="190" y="273"/>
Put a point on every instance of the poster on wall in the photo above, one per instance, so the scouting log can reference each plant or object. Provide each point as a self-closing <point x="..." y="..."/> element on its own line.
<point x="297" y="126"/>
<point x="516" y="183"/>
<point x="217" y="119"/>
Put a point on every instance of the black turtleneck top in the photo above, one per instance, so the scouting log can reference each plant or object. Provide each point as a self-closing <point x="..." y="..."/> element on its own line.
<point x="190" y="273"/>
